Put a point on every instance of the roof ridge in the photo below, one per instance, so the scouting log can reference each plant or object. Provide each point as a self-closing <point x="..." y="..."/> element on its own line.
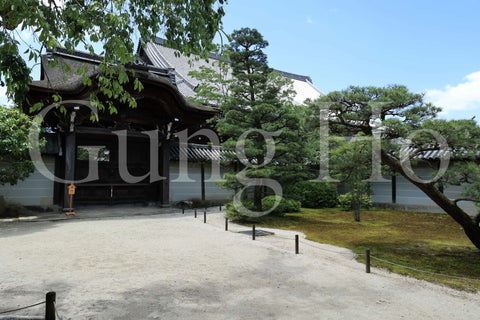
<point x="162" y="42"/>
<point x="294" y="75"/>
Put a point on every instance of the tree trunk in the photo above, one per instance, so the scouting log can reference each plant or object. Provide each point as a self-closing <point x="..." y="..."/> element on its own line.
<point x="471" y="229"/>
<point x="356" y="204"/>
<point x="356" y="214"/>
<point x="258" y="190"/>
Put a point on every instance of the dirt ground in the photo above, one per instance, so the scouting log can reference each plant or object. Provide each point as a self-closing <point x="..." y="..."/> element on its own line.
<point x="172" y="266"/>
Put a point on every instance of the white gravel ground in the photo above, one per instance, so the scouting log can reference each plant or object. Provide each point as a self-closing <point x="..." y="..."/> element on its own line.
<point x="173" y="266"/>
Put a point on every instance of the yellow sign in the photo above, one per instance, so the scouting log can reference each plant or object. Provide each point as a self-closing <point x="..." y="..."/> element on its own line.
<point x="71" y="192"/>
<point x="71" y="189"/>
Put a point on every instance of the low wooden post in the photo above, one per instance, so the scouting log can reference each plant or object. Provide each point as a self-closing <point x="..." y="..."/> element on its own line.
<point x="205" y="216"/>
<point x="195" y="213"/>
<point x="367" y="260"/>
<point x="50" y="306"/>
<point x="226" y="224"/>
<point x="297" y="249"/>
<point x="253" y="232"/>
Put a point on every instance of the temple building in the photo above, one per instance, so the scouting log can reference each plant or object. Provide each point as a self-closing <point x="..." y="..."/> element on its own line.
<point x="74" y="141"/>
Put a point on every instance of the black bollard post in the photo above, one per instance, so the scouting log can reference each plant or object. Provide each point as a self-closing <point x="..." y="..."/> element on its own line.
<point x="226" y="224"/>
<point x="205" y="216"/>
<point x="253" y="232"/>
<point x="195" y="213"/>
<point x="50" y="306"/>
<point x="367" y="260"/>
<point x="297" y="249"/>
<point x="183" y="210"/>
<point x="220" y="207"/>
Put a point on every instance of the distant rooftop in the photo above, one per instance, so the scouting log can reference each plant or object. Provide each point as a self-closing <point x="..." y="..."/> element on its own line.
<point x="161" y="56"/>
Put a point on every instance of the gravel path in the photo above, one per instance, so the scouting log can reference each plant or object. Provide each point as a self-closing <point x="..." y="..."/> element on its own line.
<point x="172" y="266"/>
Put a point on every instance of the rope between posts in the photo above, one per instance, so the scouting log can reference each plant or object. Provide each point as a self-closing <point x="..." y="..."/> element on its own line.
<point x="356" y="255"/>
<point x="23" y="308"/>
<point x="310" y="245"/>
<point x="323" y="249"/>
<point x="388" y="262"/>
<point x="423" y="271"/>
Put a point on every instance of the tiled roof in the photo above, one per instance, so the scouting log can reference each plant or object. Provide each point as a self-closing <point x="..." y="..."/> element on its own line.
<point x="432" y="154"/>
<point x="199" y="152"/>
<point x="161" y="56"/>
<point x="182" y="65"/>
<point x="294" y="76"/>
<point x="58" y="80"/>
<point x="56" y="77"/>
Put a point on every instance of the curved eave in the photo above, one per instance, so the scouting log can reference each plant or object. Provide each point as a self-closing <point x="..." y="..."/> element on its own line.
<point x="184" y="103"/>
<point x="75" y="88"/>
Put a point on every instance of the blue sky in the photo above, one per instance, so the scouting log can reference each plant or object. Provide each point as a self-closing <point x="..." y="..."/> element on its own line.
<point x="429" y="46"/>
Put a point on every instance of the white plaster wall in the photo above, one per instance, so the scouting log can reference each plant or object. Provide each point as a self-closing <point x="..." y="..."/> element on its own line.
<point x="193" y="190"/>
<point x="408" y="194"/>
<point x="36" y="190"/>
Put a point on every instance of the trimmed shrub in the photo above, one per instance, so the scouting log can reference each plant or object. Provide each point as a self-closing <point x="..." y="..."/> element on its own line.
<point x="313" y="194"/>
<point x="345" y="201"/>
<point x="233" y="213"/>
<point x="285" y="205"/>
<point x="199" y="203"/>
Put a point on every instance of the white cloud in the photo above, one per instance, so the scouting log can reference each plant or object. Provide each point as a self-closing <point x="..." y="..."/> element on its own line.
<point x="458" y="99"/>
<point x="310" y="20"/>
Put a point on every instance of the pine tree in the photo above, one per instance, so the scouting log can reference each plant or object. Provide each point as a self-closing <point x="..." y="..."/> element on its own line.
<point x="261" y="99"/>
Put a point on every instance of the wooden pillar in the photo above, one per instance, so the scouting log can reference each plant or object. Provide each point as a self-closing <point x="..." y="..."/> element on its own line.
<point x="70" y="146"/>
<point x="164" y="162"/>
<point x="202" y="168"/>
<point x="57" y="186"/>
<point x="394" y="189"/>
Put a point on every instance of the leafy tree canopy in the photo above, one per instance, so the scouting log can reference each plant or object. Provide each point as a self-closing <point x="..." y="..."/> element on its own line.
<point x="188" y="26"/>
<point x="14" y="146"/>
<point x="404" y="121"/>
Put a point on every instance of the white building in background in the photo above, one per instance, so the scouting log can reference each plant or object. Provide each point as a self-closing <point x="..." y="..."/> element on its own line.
<point x="160" y="56"/>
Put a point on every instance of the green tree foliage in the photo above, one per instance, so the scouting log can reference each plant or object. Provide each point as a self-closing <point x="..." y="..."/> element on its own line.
<point x="188" y="26"/>
<point x="405" y="117"/>
<point x="350" y="164"/>
<point x="215" y="83"/>
<point x="256" y="98"/>
<point x="285" y="206"/>
<point x="347" y="201"/>
<point x="313" y="194"/>
<point x="15" y="163"/>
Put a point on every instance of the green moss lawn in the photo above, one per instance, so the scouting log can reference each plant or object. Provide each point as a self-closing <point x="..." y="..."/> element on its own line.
<point x="431" y="242"/>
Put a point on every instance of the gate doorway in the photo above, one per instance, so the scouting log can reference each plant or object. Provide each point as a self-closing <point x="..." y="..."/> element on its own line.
<point x="110" y="188"/>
